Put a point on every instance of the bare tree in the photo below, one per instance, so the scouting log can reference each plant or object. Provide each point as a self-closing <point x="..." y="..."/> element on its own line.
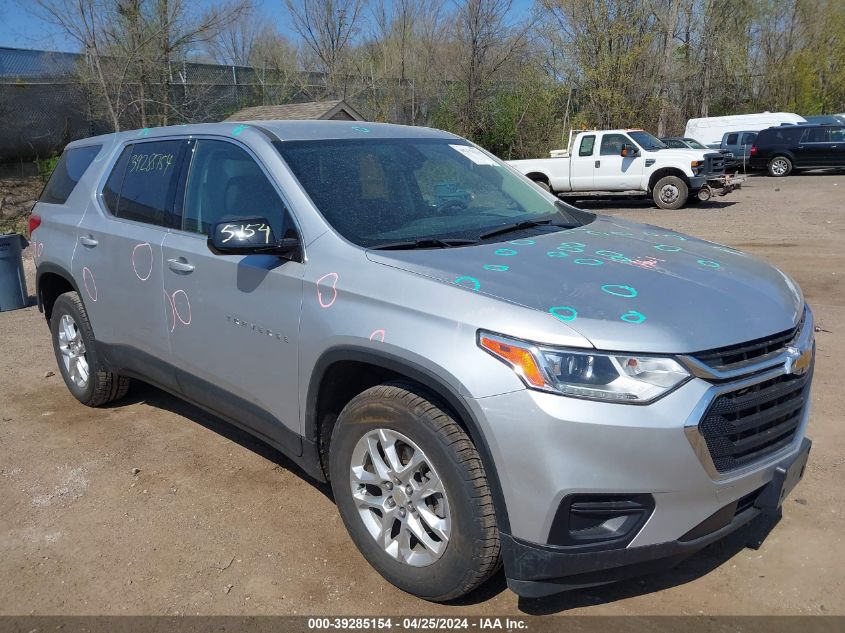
<point x="327" y="28"/>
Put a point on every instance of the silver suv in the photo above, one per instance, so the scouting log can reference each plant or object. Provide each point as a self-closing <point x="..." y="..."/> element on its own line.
<point x="484" y="374"/>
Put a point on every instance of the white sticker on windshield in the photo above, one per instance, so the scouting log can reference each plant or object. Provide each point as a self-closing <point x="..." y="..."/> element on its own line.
<point x="474" y="154"/>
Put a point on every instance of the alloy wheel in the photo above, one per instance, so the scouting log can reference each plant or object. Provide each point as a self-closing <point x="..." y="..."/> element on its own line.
<point x="400" y="497"/>
<point x="72" y="348"/>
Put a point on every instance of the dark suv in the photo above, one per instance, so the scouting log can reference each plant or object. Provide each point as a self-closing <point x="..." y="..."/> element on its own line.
<point x="789" y="148"/>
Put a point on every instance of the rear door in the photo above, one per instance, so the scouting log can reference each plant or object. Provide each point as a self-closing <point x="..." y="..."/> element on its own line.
<point x="233" y="320"/>
<point x="118" y="258"/>
<point x="582" y="164"/>
<point x="614" y="172"/>
<point x="814" y="148"/>
<point x="837" y="146"/>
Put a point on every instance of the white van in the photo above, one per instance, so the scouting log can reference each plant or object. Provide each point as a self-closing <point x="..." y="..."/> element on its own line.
<point x="710" y="130"/>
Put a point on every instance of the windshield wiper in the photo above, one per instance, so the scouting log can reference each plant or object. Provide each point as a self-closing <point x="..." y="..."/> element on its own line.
<point x="424" y="243"/>
<point x="525" y="224"/>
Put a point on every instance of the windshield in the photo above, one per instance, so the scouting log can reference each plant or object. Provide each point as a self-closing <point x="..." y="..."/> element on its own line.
<point x="647" y="141"/>
<point x="694" y="144"/>
<point x="380" y="192"/>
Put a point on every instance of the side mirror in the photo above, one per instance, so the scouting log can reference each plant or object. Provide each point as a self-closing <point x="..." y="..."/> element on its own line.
<point x="249" y="237"/>
<point x="627" y="151"/>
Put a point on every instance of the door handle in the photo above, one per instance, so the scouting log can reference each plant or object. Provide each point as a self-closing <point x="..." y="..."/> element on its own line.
<point x="90" y="242"/>
<point x="180" y="265"/>
<point x="598" y="163"/>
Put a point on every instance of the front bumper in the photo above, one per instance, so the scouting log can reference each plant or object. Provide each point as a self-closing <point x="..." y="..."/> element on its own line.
<point x="534" y="570"/>
<point x="547" y="449"/>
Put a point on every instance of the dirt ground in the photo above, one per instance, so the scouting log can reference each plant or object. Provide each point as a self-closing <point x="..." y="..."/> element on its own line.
<point x="216" y="523"/>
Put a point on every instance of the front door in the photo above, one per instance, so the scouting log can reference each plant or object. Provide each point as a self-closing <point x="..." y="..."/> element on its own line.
<point x="837" y="146"/>
<point x="814" y="148"/>
<point x="233" y="320"/>
<point x="614" y="172"/>
<point x="118" y="258"/>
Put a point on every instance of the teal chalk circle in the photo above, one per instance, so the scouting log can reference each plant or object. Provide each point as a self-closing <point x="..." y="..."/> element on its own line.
<point x="709" y="263"/>
<point x="359" y="128"/>
<point x="668" y="249"/>
<point x="498" y="267"/>
<point x="522" y="242"/>
<point x="626" y="292"/>
<point x="632" y="316"/>
<point x="505" y="252"/>
<point x="236" y="131"/>
<point x="144" y="132"/>
<point x="563" y="313"/>
<point x="588" y="261"/>
<point x="572" y="247"/>
<point x="475" y="283"/>
<point x="557" y="254"/>
<point x="617" y="257"/>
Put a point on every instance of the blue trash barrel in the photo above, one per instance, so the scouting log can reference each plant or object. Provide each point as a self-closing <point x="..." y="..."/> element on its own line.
<point x="13" y="294"/>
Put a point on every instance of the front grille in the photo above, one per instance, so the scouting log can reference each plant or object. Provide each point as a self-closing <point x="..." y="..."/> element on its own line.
<point x="714" y="164"/>
<point x="747" y="425"/>
<point x="733" y="356"/>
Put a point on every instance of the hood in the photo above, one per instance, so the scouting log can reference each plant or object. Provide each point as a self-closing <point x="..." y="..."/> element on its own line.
<point x="623" y="286"/>
<point x="679" y="154"/>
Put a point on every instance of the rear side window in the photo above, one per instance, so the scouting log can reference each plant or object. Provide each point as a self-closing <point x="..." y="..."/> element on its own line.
<point x="587" y="144"/>
<point x="815" y="135"/>
<point x="143" y="182"/>
<point x="68" y="172"/>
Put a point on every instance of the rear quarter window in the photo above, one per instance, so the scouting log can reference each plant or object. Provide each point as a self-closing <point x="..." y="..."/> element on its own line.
<point x="68" y="172"/>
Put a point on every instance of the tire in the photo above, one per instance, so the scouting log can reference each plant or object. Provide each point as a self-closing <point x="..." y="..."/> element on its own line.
<point x="543" y="185"/>
<point x="89" y="381"/>
<point x="779" y="167"/>
<point x="399" y="415"/>
<point x="670" y="192"/>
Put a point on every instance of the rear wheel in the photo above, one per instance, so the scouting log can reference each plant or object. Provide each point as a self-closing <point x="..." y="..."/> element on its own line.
<point x="412" y="492"/>
<point x="80" y="363"/>
<point x="780" y="166"/>
<point x="670" y="192"/>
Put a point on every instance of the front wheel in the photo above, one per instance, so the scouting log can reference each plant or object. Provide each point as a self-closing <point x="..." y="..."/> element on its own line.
<point x="780" y="166"/>
<point x="670" y="192"/>
<point x="412" y="492"/>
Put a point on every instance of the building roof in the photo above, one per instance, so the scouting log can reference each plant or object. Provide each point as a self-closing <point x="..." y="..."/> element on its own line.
<point x="311" y="110"/>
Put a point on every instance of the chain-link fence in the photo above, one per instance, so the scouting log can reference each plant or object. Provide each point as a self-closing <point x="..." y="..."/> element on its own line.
<point x="44" y="103"/>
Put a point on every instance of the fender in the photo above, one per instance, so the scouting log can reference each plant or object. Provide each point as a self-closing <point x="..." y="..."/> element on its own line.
<point x="432" y="382"/>
<point x="50" y="267"/>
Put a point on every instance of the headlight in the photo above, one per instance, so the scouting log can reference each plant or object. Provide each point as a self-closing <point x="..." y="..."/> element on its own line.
<point x="586" y="374"/>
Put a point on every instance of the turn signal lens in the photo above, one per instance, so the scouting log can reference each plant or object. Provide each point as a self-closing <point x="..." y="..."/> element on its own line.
<point x="520" y="358"/>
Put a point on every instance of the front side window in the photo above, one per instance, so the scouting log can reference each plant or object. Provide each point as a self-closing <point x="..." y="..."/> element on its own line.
<point x="611" y="144"/>
<point x="732" y="139"/>
<point x="143" y="182"/>
<point x="225" y="183"/>
<point x="837" y="135"/>
<point x="383" y="191"/>
<point x="587" y="145"/>
<point x="67" y="173"/>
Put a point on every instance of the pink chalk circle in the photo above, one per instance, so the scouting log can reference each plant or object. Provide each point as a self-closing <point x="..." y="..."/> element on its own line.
<point x="377" y="335"/>
<point x="142" y="261"/>
<point x="330" y="284"/>
<point x="185" y="305"/>
<point x="172" y="311"/>
<point x="89" y="283"/>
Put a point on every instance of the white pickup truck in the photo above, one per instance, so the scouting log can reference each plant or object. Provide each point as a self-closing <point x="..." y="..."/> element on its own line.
<point x="630" y="161"/>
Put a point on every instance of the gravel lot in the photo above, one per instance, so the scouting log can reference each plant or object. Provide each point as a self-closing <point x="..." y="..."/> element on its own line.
<point x="215" y="523"/>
